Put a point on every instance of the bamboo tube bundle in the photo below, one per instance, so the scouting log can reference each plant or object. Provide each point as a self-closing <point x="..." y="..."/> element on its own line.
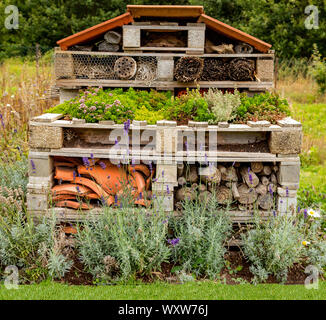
<point x="241" y="69"/>
<point x="188" y="69"/>
<point x="215" y="70"/>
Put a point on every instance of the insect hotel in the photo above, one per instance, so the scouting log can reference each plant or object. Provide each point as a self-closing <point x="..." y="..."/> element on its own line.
<point x="76" y="167"/>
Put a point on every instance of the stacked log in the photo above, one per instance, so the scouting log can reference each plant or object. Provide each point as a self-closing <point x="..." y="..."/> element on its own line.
<point x="244" y="186"/>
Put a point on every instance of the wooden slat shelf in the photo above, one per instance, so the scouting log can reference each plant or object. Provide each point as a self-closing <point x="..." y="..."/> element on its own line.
<point x="71" y="84"/>
<point x="159" y="54"/>
<point x="126" y="155"/>
<point x="64" y="214"/>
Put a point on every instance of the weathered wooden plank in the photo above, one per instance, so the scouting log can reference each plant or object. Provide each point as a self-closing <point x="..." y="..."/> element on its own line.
<point x="68" y="83"/>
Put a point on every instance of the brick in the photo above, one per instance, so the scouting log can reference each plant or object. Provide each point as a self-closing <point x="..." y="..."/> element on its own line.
<point x="45" y="137"/>
<point x="287" y="141"/>
<point x="288" y="174"/>
<point x="265" y="70"/>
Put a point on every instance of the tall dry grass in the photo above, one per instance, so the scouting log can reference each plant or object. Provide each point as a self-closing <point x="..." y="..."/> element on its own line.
<point x="23" y="95"/>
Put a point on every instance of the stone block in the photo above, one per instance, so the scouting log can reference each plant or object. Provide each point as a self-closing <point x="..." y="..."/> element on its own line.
<point x="289" y="122"/>
<point x="45" y="137"/>
<point x="167" y="173"/>
<point x="37" y="202"/>
<point x="164" y="203"/>
<point x="287" y="141"/>
<point x="286" y="193"/>
<point x="166" y="140"/>
<point x="68" y="94"/>
<point x="165" y="67"/>
<point x="288" y="174"/>
<point x="131" y="37"/>
<point x="40" y="167"/>
<point x="196" y="38"/>
<point x="286" y="205"/>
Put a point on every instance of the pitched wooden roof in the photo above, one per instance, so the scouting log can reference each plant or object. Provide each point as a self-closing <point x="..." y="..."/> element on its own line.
<point x="138" y="11"/>
<point x="95" y="31"/>
<point x="234" y="33"/>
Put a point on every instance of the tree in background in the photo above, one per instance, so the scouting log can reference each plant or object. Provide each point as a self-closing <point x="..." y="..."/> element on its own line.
<point x="279" y="22"/>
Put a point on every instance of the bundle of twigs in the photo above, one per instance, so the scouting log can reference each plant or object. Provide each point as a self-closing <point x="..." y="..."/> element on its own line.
<point x="215" y="70"/>
<point x="241" y="69"/>
<point x="188" y="69"/>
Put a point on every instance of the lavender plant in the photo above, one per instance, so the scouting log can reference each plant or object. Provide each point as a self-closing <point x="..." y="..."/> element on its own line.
<point x="273" y="246"/>
<point x="123" y="243"/>
<point x="200" y="234"/>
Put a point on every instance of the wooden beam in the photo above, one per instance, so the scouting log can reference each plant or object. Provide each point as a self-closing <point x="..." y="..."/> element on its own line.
<point x="138" y="11"/>
<point x="95" y="31"/>
<point x="234" y="33"/>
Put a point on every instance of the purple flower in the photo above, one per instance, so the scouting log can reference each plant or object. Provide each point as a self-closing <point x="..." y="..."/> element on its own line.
<point x="167" y="189"/>
<point x="86" y="162"/>
<point x="77" y="188"/>
<point x="248" y="169"/>
<point x="126" y="126"/>
<point x="287" y="191"/>
<point x="162" y="173"/>
<point x="274" y="213"/>
<point x="115" y="199"/>
<point x="270" y="190"/>
<point x="74" y="174"/>
<point x="33" y="166"/>
<point x="233" y="163"/>
<point x="174" y="242"/>
<point x="298" y="209"/>
<point x="250" y="178"/>
<point x="116" y="141"/>
<point x="165" y="221"/>
<point x="305" y="212"/>
<point x="92" y="156"/>
<point x="102" y="165"/>
<point x="1" y="119"/>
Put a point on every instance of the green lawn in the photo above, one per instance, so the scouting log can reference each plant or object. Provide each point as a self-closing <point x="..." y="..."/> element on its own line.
<point x="189" y="291"/>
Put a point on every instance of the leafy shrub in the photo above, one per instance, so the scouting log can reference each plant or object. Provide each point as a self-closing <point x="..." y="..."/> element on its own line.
<point x="200" y="234"/>
<point x="122" y="243"/>
<point x="95" y="104"/>
<point x="318" y="69"/>
<point x="222" y="105"/>
<point x="266" y="106"/>
<point x="190" y="106"/>
<point x="31" y="247"/>
<point x="272" y="247"/>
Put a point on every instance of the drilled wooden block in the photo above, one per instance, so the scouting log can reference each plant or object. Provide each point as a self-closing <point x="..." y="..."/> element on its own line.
<point x="265" y="70"/>
<point x="45" y="137"/>
<point x="287" y="141"/>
